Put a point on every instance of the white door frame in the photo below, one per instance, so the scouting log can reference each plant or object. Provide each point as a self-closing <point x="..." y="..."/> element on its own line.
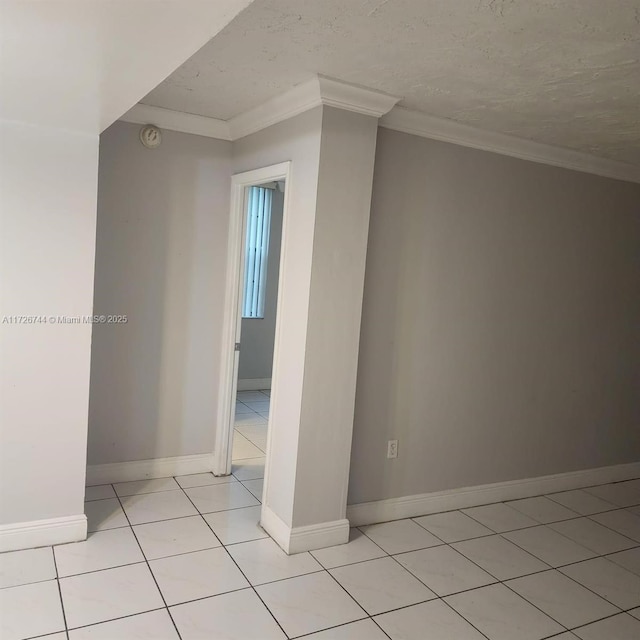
<point x="232" y="314"/>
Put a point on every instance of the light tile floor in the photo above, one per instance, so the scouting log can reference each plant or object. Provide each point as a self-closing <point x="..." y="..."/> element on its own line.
<point x="250" y="436"/>
<point x="185" y="558"/>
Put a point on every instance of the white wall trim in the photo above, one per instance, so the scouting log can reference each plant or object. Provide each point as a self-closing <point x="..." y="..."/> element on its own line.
<point x="299" y="539"/>
<point x="349" y="97"/>
<point x="254" y="384"/>
<point x="232" y="314"/>
<point x="42" y="533"/>
<point x="319" y="536"/>
<point x="426" y="126"/>
<point x="279" y="530"/>
<point x="301" y="98"/>
<point x="426" y="503"/>
<point x="178" y="121"/>
<point x="322" y="90"/>
<point x="307" y="95"/>
<point x="310" y="94"/>
<point x="147" y="469"/>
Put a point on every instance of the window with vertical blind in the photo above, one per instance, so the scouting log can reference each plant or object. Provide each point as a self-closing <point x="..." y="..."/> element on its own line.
<point x="256" y="251"/>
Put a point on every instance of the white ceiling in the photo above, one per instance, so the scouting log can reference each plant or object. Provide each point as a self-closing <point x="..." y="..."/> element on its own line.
<point x="80" y="64"/>
<point x="562" y="72"/>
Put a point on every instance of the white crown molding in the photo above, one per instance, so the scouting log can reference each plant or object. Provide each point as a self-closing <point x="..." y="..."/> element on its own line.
<point x="178" y="121"/>
<point x="43" y="533"/>
<point x="301" y="98"/>
<point x="352" y="98"/>
<point x="427" y="503"/>
<point x="320" y="90"/>
<point x="423" y="125"/>
<point x="313" y="93"/>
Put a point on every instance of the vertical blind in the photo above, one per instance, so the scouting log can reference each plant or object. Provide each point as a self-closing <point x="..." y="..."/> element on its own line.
<point x="256" y="251"/>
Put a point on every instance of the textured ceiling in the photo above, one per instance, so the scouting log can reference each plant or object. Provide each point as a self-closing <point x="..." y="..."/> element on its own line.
<point x="564" y="72"/>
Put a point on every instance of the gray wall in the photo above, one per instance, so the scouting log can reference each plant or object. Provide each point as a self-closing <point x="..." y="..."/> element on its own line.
<point x="258" y="334"/>
<point x="161" y="258"/>
<point x="500" y="321"/>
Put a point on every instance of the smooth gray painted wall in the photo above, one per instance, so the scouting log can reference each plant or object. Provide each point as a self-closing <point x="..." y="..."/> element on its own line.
<point x="161" y="258"/>
<point x="500" y="321"/>
<point x="258" y="334"/>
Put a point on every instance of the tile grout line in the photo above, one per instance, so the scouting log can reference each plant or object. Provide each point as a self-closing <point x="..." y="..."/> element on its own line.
<point x="529" y="526"/>
<point x="504" y="582"/>
<point x="442" y="598"/>
<point x="591" y="622"/>
<point x="586" y="624"/>
<point x="465" y="619"/>
<point x="240" y="570"/>
<point x="526" y="575"/>
<point x="367" y="614"/>
<point x="569" y="564"/>
<point x="509" y="503"/>
<point x="338" y="626"/>
<point x="606" y="526"/>
<point x="149" y="568"/>
<point x="379" y="627"/>
<point x="502" y="535"/>
<point x="438" y="597"/>
<point x="551" y="568"/>
<point x="24" y="584"/>
<point x="64" y="614"/>
<point x="584" y="546"/>
<point x="550" y="496"/>
<point x="496" y="580"/>
<point x="484" y="535"/>
<point x="442" y="542"/>
<point x="413" y="518"/>
<point x="95" y="624"/>
<point x="544" y="613"/>
<point x="542" y="495"/>
<point x="573" y="580"/>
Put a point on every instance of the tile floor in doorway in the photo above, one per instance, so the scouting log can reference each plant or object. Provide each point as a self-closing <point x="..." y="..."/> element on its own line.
<point x="185" y="558"/>
<point x="250" y="437"/>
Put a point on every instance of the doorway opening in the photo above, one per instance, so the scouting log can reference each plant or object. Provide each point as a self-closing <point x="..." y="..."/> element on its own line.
<point x="251" y="337"/>
<point x="262" y="233"/>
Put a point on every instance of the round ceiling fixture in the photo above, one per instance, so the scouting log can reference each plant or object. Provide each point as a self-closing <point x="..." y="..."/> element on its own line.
<point x="150" y="136"/>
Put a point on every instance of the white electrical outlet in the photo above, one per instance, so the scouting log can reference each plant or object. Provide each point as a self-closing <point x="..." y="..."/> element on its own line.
<point x="392" y="449"/>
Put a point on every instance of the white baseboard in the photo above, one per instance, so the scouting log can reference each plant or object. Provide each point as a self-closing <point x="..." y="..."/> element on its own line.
<point x="319" y="536"/>
<point x="254" y="384"/>
<point x="426" y="503"/>
<point x="279" y="530"/>
<point x="147" y="469"/>
<point x="299" y="539"/>
<point x="42" y="533"/>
